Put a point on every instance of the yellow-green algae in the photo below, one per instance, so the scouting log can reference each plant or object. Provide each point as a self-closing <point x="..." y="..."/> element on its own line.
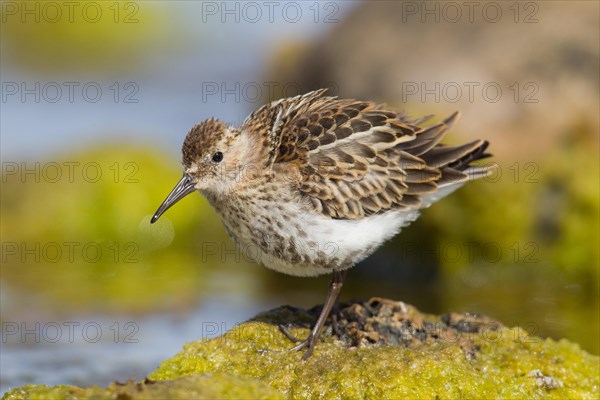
<point x="210" y="386"/>
<point x="252" y="361"/>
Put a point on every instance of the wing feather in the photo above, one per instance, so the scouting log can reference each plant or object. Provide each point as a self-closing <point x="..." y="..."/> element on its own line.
<point x="358" y="159"/>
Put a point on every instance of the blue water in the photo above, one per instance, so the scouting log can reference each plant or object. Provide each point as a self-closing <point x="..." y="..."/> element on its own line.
<point x="99" y="350"/>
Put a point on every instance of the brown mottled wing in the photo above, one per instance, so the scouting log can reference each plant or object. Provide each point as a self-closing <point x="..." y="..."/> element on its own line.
<point x="358" y="159"/>
<point x="270" y="120"/>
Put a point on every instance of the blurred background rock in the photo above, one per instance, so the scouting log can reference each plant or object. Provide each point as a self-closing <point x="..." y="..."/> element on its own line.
<point x="521" y="246"/>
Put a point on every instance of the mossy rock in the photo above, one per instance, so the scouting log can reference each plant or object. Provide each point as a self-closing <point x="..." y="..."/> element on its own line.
<point x="382" y="349"/>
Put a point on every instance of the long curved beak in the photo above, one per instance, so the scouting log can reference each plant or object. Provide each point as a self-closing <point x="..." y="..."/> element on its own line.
<point x="184" y="187"/>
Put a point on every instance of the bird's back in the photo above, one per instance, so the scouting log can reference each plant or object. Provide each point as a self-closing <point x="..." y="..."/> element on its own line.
<point x="356" y="159"/>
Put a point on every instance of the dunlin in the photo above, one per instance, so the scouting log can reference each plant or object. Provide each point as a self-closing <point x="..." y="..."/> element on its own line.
<point x="313" y="184"/>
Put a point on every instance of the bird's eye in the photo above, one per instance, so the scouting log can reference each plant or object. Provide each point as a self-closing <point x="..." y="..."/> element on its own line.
<point x="217" y="157"/>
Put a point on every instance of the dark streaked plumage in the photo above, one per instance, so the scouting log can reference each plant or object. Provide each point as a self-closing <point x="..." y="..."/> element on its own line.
<point x="357" y="158"/>
<point x="313" y="184"/>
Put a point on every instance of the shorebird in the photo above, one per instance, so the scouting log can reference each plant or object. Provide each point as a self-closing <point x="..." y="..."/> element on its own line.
<point x="314" y="184"/>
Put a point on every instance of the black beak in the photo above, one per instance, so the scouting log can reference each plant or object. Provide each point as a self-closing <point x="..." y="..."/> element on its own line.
<point x="184" y="187"/>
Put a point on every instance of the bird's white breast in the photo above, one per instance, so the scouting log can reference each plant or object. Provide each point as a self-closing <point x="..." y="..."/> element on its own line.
<point x="285" y="237"/>
<point x="280" y="230"/>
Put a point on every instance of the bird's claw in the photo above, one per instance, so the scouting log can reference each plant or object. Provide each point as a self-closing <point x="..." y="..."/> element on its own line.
<point x="309" y="342"/>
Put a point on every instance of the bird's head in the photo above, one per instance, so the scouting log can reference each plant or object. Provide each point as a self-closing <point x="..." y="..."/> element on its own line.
<point x="215" y="158"/>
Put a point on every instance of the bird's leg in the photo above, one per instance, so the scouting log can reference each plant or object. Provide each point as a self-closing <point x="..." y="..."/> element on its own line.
<point x="335" y="286"/>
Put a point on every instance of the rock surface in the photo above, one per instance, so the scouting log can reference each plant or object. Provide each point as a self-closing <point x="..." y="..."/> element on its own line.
<point x="375" y="349"/>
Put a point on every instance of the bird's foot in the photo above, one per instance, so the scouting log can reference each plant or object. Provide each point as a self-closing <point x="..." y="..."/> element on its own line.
<point x="308" y="343"/>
